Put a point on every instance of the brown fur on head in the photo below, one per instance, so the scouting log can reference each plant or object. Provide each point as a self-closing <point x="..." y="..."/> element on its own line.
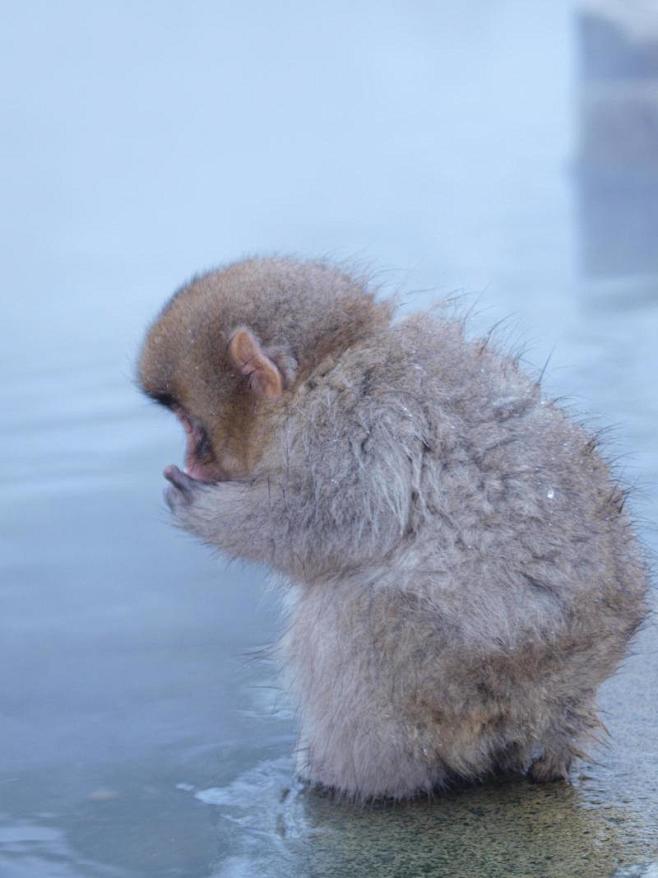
<point x="231" y="346"/>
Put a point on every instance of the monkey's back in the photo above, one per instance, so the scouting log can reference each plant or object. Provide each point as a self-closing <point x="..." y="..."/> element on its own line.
<point x="511" y="595"/>
<point x="515" y="500"/>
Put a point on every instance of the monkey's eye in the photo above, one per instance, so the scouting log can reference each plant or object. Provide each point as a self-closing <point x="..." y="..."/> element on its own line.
<point x="164" y="399"/>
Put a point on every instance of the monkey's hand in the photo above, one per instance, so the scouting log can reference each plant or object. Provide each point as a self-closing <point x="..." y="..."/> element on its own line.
<point x="190" y="500"/>
<point x="181" y="490"/>
<point x="233" y="516"/>
<point x="197" y="506"/>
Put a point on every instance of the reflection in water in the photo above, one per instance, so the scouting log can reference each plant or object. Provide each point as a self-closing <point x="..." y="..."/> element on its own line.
<point x="617" y="170"/>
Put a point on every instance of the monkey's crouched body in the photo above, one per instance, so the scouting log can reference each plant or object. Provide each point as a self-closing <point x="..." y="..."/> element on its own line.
<point x="463" y="574"/>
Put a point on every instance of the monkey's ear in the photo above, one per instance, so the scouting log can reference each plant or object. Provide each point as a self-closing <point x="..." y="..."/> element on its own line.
<point x="250" y="359"/>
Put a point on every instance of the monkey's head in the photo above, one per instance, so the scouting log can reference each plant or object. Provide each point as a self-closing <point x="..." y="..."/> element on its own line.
<point x="230" y="349"/>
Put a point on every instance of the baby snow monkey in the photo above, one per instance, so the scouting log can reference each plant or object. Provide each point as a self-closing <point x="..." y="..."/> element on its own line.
<point x="462" y="572"/>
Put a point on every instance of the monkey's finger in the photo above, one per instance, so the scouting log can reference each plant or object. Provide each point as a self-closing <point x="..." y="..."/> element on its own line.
<point x="180" y="480"/>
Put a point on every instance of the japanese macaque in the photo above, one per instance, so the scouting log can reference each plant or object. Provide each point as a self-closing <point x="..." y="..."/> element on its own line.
<point x="462" y="573"/>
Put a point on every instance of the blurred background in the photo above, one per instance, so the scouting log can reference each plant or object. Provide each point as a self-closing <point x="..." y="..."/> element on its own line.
<point x="497" y="148"/>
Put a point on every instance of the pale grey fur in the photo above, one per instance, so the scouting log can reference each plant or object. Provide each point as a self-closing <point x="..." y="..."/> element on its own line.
<point x="462" y="573"/>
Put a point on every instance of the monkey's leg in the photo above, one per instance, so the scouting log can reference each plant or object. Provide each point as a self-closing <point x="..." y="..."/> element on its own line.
<point x="573" y="723"/>
<point x="553" y="765"/>
<point x="370" y="762"/>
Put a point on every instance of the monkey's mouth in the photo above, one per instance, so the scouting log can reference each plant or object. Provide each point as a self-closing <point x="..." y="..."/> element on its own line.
<point x="200" y="465"/>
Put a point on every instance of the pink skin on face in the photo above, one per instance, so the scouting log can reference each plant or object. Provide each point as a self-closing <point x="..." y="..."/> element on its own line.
<point x="195" y="470"/>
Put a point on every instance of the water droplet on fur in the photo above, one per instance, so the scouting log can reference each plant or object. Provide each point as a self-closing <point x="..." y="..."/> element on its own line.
<point x="550" y="493"/>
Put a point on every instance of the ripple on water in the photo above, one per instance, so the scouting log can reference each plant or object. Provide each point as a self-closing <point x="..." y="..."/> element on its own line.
<point x="265" y="800"/>
<point x="263" y="820"/>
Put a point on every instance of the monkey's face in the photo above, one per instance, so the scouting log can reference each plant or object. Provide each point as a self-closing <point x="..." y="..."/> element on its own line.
<point x="223" y="387"/>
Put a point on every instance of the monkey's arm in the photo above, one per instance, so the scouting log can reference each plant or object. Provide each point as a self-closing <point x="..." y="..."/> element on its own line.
<point x="341" y="499"/>
<point x="236" y="516"/>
